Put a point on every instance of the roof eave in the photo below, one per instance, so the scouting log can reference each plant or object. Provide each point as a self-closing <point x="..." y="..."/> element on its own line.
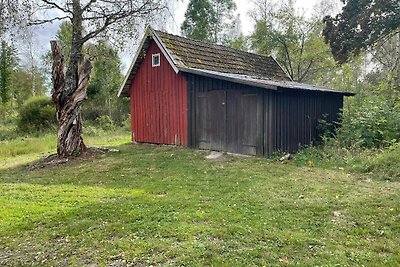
<point x="229" y="79"/>
<point x="324" y="90"/>
<point x="265" y="84"/>
<point x="145" y="36"/>
<point x="149" y="32"/>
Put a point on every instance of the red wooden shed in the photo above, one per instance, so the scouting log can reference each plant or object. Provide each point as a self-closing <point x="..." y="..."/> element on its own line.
<point x="192" y="93"/>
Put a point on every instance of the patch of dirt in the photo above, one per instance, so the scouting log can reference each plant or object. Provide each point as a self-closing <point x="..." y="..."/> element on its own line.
<point x="53" y="160"/>
<point x="224" y="156"/>
<point x="215" y="155"/>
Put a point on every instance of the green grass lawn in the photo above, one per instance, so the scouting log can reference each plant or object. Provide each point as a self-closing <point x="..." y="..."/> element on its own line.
<point x="23" y="150"/>
<point x="166" y="206"/>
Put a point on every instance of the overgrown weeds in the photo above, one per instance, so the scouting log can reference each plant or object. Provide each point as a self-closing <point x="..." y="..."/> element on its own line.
<point x="378" y="163"/>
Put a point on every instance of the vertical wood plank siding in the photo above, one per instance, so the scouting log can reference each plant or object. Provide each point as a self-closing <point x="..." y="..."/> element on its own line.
<point x="159" y="103"/>
<point x="296" y="117"/>
<point x="286" y="119"/>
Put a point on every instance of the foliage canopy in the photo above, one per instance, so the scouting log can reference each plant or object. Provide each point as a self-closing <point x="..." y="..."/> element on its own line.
<point x="360" y="25"/>
<point x="209" y="20"/>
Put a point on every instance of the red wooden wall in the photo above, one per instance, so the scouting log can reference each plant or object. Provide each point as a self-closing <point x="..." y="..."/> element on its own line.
<point x="159" y="103"/>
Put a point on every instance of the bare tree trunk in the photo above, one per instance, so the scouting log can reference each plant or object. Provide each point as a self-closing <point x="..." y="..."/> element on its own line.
<point x="70" y="89"/>
<point x="68" y="100"/>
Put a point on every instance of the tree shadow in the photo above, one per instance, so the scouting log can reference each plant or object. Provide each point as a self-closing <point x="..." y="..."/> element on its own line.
<point x="145" y="164"/>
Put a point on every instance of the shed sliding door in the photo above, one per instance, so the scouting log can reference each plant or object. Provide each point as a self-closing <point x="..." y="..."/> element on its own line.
<point x="230" y="120"/>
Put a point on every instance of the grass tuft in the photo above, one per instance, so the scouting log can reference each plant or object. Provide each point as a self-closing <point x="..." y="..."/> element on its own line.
<point x="384" y="166"/>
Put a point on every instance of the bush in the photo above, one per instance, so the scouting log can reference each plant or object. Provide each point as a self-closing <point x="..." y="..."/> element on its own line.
<point x="127" y="123"/>
<point x="105" y="122"/>
<point x="117" y="110"/>
<point x="384" y="166"/>
<point x="371" y="123"/>
<point x="37" y="115"/>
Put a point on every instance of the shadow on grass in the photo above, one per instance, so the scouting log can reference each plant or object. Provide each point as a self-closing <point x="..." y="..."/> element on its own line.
<point x="146" y="164"/>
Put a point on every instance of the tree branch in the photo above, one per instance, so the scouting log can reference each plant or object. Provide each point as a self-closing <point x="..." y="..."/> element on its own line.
<point x="306" y="71"/>
<point x="112" y="18"/>
<point x="40" y="22"/>
<point x="87" y="6"/>
<point x="50" y="3"/>
<point x="288" y="68"/>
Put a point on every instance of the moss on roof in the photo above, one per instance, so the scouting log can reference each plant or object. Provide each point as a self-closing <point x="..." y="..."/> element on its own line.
<point x="203" y="55"/>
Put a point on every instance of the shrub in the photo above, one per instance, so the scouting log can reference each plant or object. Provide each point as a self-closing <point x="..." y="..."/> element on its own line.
<point x="117" y="110"/>
<point x="105" y="122"/>
<point x="384" y="166"/>
<point x="370" y="123"/>
<point x="127" y="123"/>
<point x="89" y="129"/>
<point x="37" y="115"/>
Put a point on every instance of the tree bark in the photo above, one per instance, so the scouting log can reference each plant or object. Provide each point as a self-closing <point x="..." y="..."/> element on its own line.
<point x="68" y="94"/>
<point x="70" y="89"/>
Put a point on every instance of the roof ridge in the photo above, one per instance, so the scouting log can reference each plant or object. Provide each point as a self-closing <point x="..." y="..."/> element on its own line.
<point x="219" y="45"/>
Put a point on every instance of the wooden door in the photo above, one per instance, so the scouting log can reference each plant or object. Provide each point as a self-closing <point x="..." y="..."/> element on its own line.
<point x="244" y="122"/>
<point x="250" y="132"/>
<point x="211" y="120"/>
<point x="230" y="120"/>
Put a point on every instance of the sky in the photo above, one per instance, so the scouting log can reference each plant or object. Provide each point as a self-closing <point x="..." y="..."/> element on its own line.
<point x="43" y="34"/>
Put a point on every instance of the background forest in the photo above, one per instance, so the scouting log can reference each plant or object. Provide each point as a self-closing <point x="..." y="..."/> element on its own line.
<point x="350" y="46"/>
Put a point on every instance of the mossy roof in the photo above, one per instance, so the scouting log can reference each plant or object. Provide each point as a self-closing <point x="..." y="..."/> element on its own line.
<point x="190" y="53"/>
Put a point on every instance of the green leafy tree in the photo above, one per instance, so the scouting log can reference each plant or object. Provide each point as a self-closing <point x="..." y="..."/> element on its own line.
<point x="105" y="81"/>
<point x="22" y="84"/>
<point x="199" y="20"/>
<point x="8" y="63"/>
<point x="236" y="38"/>
<point x="106" y="77"/>
<point x="64" y="37"/>
<point x="209" y="20"/>
<point x="225" y="21"/>
<point x="28" y="52"/>
<point x="386" y="55"/>
<point x="360" y="25"/>
<point x="294" y="40"/>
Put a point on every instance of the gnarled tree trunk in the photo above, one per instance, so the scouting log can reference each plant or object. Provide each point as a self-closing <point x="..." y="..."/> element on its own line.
<point x="69" y="90"/>
<point x="67" y="98"/>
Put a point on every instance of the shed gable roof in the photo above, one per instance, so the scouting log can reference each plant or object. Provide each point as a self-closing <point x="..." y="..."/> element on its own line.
<point x="216" y="61"/>
<point x="185" y="54"/>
